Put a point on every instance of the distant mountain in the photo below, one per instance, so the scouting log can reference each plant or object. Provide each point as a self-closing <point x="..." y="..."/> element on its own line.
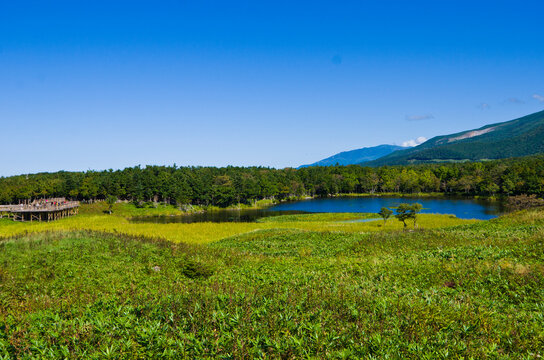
<point x="519" y="137"/>
<point x="357" y="156"/>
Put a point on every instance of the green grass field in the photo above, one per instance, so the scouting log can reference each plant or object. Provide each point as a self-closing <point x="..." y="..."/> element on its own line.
<point x="92" y="218"/>
<point x="291" y="287"/>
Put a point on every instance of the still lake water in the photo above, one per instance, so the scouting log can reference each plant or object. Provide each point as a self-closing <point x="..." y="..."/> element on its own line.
<point x="462" y="208"/>
<point x="244" y="215"/>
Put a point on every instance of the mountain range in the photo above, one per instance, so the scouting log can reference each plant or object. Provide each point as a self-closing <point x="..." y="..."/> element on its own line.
<point x="357" y="156"/>
<point x="519" y="137"/>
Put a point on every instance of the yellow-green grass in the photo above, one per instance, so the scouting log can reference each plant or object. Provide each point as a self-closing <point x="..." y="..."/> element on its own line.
<point x="319" y="217"/>
<point x="259" y="204"/>
<point x="92" y="219"/>
<point x="426" y="221"/>
<point x="393" y="194"/>
<point x="126" y="209"/>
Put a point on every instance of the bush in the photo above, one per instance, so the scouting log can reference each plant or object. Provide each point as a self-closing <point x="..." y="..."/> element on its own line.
<point x="524" y="201"/>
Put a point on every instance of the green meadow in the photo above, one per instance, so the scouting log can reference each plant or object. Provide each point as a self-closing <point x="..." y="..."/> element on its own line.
<point x="291" y="287"/>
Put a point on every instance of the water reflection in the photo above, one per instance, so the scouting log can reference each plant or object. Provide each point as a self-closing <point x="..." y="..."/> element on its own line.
<point x="218" y="216"/>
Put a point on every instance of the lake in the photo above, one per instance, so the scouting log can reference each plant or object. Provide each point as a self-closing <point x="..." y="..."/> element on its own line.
<point x="461" y="207"/>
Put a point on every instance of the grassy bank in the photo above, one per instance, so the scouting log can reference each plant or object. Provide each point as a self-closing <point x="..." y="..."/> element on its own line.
<point x="468" y="291"/>
<point x="93" y="218"/>
<point x="396" y="194"/>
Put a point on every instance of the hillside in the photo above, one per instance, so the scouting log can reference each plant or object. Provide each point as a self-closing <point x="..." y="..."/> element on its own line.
<point x="519" y="137"/>
<point x="357" y="156"/>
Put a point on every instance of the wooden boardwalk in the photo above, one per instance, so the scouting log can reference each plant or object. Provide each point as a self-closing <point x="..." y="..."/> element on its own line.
<point x="42" y="211"/>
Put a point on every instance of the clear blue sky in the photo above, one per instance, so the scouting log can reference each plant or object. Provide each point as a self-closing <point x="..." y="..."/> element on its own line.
<point x="97" y="85"/>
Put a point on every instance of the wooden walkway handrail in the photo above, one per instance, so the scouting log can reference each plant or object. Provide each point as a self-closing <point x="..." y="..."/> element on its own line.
<point x="39" y="208"/>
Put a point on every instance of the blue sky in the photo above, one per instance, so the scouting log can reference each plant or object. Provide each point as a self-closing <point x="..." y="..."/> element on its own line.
<point x="97" y="85"/>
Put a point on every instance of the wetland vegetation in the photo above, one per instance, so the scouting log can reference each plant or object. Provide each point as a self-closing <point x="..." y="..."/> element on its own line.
<point x="294" y="286"/>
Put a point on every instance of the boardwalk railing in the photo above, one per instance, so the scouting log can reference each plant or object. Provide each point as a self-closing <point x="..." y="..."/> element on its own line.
<point x="43" y="211"/>
<point x="39" y="207"/>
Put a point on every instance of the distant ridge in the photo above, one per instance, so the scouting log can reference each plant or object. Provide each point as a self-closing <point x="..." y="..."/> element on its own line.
<point x="357" y="156"/>
<point x="514" y="138"/>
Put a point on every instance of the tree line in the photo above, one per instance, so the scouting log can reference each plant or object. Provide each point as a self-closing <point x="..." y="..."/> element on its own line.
<point x="231" y="185"/>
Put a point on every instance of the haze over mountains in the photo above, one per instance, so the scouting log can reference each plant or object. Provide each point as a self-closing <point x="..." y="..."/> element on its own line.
<point x="519" y="137"/>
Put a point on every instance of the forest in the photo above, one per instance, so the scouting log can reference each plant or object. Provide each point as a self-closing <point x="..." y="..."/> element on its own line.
<point x="233" y="185"/>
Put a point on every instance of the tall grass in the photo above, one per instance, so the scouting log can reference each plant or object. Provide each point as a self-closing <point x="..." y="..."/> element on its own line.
<point x="199" y="233"/>
<point x="288" y="291"/>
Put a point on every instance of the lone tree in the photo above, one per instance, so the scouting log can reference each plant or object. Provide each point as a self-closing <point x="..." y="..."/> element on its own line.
<point x="416" y="209"/>
<point x="403" y="213"/>
<point x="111" y="200"/>
<point x="407" y="211"/>
<point x="385" y="213"/>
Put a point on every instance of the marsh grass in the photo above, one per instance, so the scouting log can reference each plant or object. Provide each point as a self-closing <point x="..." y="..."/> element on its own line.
<point x="318" y="217"/>
<point x="92" y="218"/>
<point x="395" y="194"/>
<point x="278" y="289"/>
<point x="128" y="210"/>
